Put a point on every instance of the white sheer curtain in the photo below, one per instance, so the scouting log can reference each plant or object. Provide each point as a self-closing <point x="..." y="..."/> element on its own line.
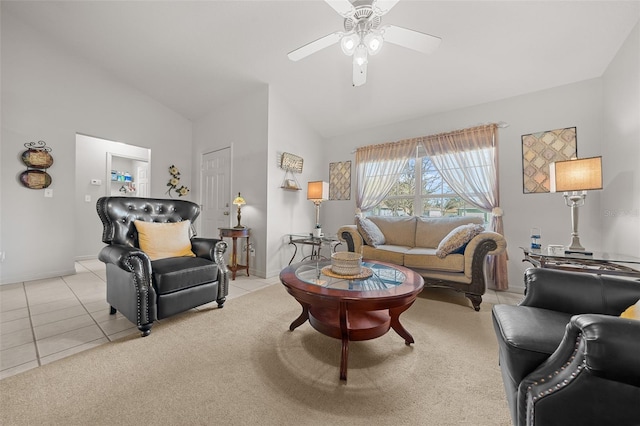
<point x="468" y="162"/>
<point x="378" y="168"/>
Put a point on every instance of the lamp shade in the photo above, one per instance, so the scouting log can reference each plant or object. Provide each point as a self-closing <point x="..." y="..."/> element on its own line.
<point x="318" y="191"/>
<point x="239" y="201"/>
<point x="576" y="175"/>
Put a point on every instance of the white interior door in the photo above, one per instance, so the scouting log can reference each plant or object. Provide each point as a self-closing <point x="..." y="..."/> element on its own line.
<point x="142" y="181"/>
<point x="216" y="192"/>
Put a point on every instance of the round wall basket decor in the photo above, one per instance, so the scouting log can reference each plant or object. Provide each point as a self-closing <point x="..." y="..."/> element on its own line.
<point x="35" y="179"/>
<point x="38" y="159"/>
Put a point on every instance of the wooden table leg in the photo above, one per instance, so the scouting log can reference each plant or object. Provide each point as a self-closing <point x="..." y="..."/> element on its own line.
<point x="302" y="318"/>
<point x="395" y="323"/>
<point x="344" y="356"/>
<point x="234" y="258"/>
<point x="247" y="254"/>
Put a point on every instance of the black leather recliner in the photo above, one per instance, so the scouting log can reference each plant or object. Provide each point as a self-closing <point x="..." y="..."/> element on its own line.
<point x="565" y="355"/>
<point x="144" y="290"/>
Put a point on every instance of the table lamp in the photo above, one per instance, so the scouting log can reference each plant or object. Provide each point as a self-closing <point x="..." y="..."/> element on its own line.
<point x="576" y="175"/>
<point x="239" y="201"/>
<point x="317" y="192"/>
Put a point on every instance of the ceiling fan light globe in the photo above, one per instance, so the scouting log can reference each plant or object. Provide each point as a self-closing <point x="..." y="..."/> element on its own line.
<point x="349" y="44"/>
<point x="373" y="41"/>
<point x="360" y="55"/>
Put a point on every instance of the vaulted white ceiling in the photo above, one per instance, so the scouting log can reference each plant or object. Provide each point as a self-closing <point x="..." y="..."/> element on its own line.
<point x="196" y="56"/>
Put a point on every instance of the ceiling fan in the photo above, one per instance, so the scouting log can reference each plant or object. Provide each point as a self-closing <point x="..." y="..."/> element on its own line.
<point x="364" y="35"/>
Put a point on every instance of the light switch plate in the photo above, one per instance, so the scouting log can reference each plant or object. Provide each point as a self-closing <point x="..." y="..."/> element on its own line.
<point x="87" y="198"/>
<point x="48" y="192"/>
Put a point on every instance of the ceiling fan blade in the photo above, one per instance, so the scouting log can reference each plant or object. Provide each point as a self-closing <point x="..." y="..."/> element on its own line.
<point x="314" y="46"/>
<point x="410" y="39"/>
<point x="343" y="7"/>
<point x="383" y="6"/>
<point x="359" y="74"/>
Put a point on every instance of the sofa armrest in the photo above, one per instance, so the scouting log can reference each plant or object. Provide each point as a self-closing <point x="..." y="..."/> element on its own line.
<point x="592" y="378"/>
<point x="214" y="249"/>
<point x="501" y="243"/>
<point x="349" y="234"/>
<point x="578" y="292"/>
<point x="480" y="246"/>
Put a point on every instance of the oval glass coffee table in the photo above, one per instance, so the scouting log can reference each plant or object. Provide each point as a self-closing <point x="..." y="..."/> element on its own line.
<point x="352" y="309"/>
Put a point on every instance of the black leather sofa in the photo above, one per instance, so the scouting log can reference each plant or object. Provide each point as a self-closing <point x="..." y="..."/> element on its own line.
<point x="566" y="356"/>
<point x="144" y="290"/>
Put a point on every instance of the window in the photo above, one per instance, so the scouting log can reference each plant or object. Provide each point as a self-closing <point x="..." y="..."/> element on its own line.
<point x="434" y="198"/>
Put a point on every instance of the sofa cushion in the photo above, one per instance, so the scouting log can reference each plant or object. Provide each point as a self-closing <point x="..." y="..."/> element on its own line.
<point x="370" y="232"/>
<point x="425" y="258"/>
<point x="458" y="238"/>
<point x="162" y="240"/>
<point x="177" y="273"/>
<point x="431" y="230"/>
<point x="397" y="230"/>
<point x="385" y="253"/>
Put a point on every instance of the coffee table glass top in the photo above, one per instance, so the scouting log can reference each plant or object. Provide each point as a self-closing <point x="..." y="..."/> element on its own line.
<point x="383" y="277"/>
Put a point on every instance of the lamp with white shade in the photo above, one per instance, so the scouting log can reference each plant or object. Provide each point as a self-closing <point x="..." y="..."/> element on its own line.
<point x="584" y="174"/>
<point x="317" y="191"/>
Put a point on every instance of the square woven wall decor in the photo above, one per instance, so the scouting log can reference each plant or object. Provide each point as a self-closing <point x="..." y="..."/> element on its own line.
<point x="540" y="149"/>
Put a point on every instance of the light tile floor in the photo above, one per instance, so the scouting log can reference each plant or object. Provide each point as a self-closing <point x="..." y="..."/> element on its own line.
<point x="45" y="320"/>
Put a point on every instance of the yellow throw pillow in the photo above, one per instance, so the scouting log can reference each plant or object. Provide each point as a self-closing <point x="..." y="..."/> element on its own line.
<point x="632" y="312"/>
<point x="162" y="240"/>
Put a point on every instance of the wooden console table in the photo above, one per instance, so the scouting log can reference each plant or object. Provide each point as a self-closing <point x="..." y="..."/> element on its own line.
<point x="234" y="234"/>
<point x="596" y="263"/>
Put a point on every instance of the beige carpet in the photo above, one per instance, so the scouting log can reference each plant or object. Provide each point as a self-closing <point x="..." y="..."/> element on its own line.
<point x="242" y="366"/>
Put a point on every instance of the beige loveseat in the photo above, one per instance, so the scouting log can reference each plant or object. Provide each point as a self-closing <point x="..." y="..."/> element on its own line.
<point x="414" y="242"/>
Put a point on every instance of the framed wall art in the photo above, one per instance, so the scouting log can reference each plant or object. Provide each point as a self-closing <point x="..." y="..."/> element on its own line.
<point x="340" y="180"/>
<point x="540" y="149"/>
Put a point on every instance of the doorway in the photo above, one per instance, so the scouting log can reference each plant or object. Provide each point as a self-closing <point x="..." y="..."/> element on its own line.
<point x="215" y="184"/>
<point x="95" y="158"/>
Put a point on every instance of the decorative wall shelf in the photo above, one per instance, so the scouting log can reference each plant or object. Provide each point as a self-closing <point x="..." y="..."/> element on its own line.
<point x="291" y="164"/>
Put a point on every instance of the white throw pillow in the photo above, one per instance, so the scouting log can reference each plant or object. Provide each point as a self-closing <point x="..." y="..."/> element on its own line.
<point x="457" y="239"/>
<point x="370" y="232"/>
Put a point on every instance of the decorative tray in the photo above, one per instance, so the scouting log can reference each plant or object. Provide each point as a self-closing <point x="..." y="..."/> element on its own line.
<point x="364" y="273"/>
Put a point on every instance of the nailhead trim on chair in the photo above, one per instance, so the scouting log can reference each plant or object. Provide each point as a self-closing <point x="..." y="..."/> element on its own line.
<point x="560" y="385"/>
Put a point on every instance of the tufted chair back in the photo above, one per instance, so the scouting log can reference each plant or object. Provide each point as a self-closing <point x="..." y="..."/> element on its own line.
<point x="118" y="213"/>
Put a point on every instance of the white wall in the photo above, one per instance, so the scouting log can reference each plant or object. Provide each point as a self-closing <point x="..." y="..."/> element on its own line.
<point x="578" y="105"/>
<point x="258" y="127"/>
<point x="241" y="125"/>
<point x="620" y="213"/>
<point x="49" y="94"/>
<point x="290" y="211"/>
<point x="91" y="163"/>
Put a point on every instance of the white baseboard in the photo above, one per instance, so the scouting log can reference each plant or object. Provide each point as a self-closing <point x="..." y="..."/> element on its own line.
<point x="41" y="276"/>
